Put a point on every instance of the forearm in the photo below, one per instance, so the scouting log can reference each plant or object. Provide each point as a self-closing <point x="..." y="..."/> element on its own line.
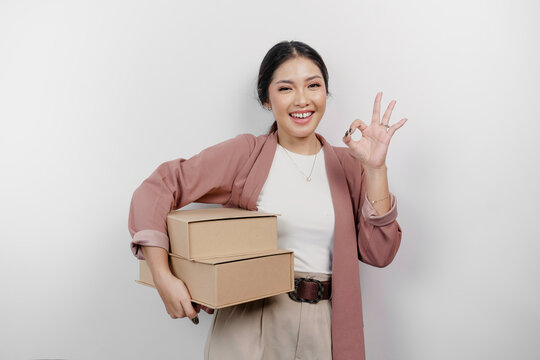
<point x="377" y="189"/>
<point x="157" y="259"/>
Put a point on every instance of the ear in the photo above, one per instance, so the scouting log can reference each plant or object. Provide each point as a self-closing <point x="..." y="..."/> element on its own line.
<point x="267" y="106"/>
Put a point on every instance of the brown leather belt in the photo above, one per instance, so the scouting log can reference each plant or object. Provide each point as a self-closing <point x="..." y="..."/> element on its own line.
<point x="311" y="291"/>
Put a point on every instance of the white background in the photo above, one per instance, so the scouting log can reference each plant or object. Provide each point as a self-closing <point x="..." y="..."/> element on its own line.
<point x="95" y="94"/>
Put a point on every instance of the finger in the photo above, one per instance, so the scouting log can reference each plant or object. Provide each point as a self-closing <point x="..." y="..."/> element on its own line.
<point x="388" y="112"/>
<point x="356" y="124"/>
<point x="377" y="109"/>
<point x="197" y="307"/>
<point x="396" y="126"/>
<point x="189" y="310"/>
<point x="207" y="309"/>
<point x="347" y="138"/>
<point x="175" y="311"/>
<point x="192" y="311"/>
<point x="171" y="314"/>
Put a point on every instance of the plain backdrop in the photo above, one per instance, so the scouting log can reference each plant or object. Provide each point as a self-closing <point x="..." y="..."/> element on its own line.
<point x="94" y="95"/>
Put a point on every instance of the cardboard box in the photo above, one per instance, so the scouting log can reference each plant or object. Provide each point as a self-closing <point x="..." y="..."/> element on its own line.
<point x="226" y="281"/>
<point x="216" y="232"/>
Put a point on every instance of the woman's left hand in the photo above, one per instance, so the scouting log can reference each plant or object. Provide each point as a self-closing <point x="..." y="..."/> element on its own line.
<point x="371" y="149"/>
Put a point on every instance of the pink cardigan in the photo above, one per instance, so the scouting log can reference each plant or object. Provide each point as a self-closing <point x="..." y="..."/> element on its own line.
<point x="232" y="173"/>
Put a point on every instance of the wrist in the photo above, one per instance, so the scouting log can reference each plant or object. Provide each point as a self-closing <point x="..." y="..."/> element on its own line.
<point x="164" y="280"/>
<point x="375" y="170"/>
<point x="162" y="275"/>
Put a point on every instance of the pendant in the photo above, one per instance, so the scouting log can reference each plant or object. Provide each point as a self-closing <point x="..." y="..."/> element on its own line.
<point x="308" y="179"/>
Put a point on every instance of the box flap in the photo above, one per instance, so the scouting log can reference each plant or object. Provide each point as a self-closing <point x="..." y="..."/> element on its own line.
<point x="209" y="214"/>
<point x="226" y="259"/>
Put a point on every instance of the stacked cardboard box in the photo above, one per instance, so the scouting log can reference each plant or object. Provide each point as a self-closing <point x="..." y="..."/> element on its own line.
<point x="226" y="256"/>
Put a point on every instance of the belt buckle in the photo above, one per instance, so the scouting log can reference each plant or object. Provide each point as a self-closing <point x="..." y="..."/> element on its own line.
<point x="294" y="295"/>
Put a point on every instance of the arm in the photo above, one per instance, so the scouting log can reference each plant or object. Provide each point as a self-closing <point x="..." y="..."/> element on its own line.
<point x="206" y="177"/>
<point x="377" y="189"/>
<point x="379" y="234"/>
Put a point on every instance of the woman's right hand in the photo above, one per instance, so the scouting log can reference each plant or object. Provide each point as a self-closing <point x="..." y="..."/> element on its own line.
<point x="176" y="298"/>
<point x="172" y="290"/>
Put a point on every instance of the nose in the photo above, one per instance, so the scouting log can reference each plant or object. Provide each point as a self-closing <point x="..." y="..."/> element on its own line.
<point x="301" y="99"/>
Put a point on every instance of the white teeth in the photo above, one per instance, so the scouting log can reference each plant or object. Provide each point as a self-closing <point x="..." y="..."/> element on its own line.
<point x="302" y="115"/>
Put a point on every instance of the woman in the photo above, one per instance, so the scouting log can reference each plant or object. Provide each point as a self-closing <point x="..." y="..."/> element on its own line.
<point x="335" y="204"/>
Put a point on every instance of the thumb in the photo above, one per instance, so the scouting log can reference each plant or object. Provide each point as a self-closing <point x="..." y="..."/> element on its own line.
<point x="190" y="311"/>
<point x="347" y="137"/>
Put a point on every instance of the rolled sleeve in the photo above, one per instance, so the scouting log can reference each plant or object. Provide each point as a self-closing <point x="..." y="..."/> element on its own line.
<point x="372" y="217"/>
<point x="148" y="238"/>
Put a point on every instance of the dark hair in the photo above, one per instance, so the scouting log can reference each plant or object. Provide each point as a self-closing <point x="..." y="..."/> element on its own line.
<point x="276" y="56"/>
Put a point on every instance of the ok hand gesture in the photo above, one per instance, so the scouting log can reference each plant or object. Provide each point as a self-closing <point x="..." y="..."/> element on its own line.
<point x="371" y="149"/>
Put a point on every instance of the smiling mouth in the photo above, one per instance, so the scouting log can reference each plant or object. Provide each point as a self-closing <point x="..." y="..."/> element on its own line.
<point x="301" y="115"/>
<point x="301" y="118"/>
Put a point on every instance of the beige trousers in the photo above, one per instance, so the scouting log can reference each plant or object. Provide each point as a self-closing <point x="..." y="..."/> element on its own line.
<point x="271" y="329"/>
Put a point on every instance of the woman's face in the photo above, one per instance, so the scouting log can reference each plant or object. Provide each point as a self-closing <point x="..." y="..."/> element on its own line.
<point x="297" y="96"/>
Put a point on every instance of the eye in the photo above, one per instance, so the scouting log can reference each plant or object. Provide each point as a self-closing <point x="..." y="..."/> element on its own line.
<point x="314" y="85"/>
<point x="284" y="88"/>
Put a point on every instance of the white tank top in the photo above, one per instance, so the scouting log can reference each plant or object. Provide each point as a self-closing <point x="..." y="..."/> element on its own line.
<point x="306" y="224"/>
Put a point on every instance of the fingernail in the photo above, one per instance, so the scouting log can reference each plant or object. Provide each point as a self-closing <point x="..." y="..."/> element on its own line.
<point x="346" y="132"/>
<point x="195" y="320"/>
<point x="350" y="131"/>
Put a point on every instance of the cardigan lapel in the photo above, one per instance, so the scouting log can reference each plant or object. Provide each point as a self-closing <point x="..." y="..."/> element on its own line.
<point x="258" y="173"/>
<point x="347" y="321"/>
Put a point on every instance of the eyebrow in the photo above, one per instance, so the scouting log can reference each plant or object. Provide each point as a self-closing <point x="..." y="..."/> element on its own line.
<point x="290" y="82"/>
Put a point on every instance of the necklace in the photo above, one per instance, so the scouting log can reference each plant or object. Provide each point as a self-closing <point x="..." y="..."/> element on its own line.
<point x="308" y="177"/>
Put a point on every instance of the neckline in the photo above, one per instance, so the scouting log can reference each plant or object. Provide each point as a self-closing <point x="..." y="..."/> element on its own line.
<point x="301" y="155"/>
